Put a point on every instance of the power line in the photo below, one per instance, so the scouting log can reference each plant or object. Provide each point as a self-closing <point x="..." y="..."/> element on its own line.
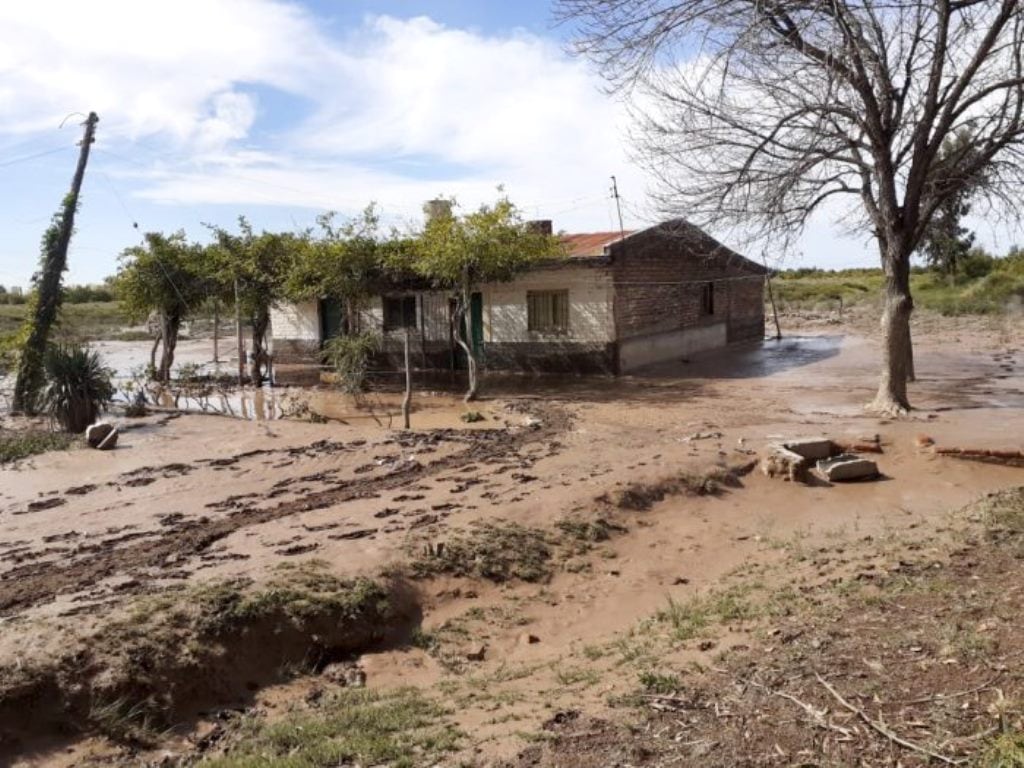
<point x="35" y="156"/>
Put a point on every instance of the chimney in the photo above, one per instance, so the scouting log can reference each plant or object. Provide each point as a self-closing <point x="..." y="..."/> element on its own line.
<point x="436" y="208"/>
<point x="539" y="226"/>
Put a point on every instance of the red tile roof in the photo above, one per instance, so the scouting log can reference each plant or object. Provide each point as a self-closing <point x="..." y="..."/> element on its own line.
<point x="586" y="244"/>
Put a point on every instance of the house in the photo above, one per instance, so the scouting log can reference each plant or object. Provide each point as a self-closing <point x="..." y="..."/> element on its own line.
<point x="617" y="302"/>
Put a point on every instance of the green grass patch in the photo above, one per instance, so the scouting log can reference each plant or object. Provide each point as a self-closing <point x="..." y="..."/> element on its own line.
<point x="691" y="618"/>
<point x="76" y="322"/>
<point x="20" y="444"/>
<point x="994" y="292"/>
<point x="399" y="728"/>
<point x="1007" y="751"/>
<point x="660" y="683"/>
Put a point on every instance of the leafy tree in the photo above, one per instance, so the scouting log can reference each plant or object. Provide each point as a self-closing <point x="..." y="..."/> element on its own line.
<point x="491" y="244"/>
<point x="946" y="243"/>
<point x="168" y="276"/>
<point x="343" y="261"/>
<point x="754" y="114"/>
<point x="260" y="266"/>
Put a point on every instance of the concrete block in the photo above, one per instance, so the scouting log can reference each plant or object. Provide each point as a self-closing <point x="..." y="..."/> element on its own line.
<point x="782" y="462"/>
<point x="847" y="467"/>
<point x="813" y="448"/>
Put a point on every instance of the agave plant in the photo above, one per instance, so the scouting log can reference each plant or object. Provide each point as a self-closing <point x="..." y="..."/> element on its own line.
<point x="78" y="386"/>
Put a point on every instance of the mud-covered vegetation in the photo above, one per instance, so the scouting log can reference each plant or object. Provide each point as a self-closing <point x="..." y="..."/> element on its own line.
<point x="493" y="550"/>
<point x="162" y="654"/>
<point x="642" y="495"/>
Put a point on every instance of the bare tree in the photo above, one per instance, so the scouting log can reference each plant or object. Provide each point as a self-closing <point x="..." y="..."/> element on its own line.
<point x="755" y="114"/>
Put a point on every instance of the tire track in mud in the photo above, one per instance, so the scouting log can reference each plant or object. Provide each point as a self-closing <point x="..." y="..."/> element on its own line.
<point x="35" y="583"/>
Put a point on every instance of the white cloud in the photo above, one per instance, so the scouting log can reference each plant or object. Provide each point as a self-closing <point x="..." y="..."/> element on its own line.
<point x="147" y="68"/>
<point x="395" y="110"/>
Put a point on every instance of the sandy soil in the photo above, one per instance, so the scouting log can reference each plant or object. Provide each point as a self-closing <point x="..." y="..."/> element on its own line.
<point x="195" y="499"/>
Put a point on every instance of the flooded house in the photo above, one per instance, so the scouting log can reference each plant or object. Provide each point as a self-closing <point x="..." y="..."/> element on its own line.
<point x="616" y="302"/>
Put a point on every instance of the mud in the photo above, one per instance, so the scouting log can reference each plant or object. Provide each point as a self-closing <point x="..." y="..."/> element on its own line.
<point x="155" y="551"/>
<point x="224" y="499"/>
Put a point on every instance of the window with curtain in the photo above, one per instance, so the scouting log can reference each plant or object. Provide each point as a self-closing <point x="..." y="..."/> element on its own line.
<point x="547" y="311"/>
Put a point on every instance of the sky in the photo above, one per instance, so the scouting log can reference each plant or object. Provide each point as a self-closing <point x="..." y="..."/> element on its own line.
<point x="283" y="110"/>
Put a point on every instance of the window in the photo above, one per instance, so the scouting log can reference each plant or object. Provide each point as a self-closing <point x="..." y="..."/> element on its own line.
<point x="547" y="311"/>
<point x="707" y="299"/>
<point x="399" y="312"/>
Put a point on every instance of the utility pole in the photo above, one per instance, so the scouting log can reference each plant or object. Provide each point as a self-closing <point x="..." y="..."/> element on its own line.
<point x="48" y="300"/>
<point x="407" y="400"/>
<point x="216" y="332"/>
<point x="618" y="206"/>
<point x="238" y="334"/>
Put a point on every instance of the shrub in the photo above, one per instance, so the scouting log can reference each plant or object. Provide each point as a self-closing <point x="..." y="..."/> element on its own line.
<point x="349" y="356"/>
<point x="78" y="386"/>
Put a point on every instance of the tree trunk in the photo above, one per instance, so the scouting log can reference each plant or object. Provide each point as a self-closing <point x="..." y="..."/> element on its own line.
<point x="461" y="309"/>
<point x="169" y="326"/>
<point x="259" y="358"/>
<point x="897" y="365"/>
<point x="152" y="353"/>
<point x="911" y="371"/>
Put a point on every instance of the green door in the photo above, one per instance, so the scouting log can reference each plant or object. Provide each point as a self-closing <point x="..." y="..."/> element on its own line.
<point x="332" y="319"/>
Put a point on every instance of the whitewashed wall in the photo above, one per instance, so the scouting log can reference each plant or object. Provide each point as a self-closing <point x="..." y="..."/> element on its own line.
<point x="590" y="306"/>
<point x="298" y="322"/>
<point x="505" y="316"/>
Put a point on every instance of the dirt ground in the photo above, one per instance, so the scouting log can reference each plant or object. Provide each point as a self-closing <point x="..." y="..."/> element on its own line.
<point x="644" y="626"/>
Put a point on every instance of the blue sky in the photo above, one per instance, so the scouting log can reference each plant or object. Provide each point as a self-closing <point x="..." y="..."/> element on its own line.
<point x="281" y="110"/>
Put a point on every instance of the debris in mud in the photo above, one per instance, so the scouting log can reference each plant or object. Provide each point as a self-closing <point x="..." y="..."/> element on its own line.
<point x="39" y="506"/>
<point x="476" y="652"/>
<point x="102" y="435"/>
<point x="362" y="533"/>
<point x="297" y="549"/>
<point x="702" y="436"/>
<point x="985" y="455"/>
<point x="846" y="467"/>
<point x="793" y="460"/>
<point x="345" y="673"/>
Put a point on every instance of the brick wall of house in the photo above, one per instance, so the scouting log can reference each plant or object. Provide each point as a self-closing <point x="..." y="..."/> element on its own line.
<point x="658" y="275"/>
